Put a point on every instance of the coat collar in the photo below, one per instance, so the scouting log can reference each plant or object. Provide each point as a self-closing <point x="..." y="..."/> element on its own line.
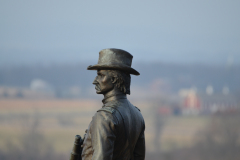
<point x="113" y="98"/>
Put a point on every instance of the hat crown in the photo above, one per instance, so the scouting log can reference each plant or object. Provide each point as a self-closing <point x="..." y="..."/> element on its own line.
<point x="115" y="56"/>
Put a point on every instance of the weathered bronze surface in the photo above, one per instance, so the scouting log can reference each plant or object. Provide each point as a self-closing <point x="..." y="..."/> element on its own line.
<point x="77" y="148"/>
<point x="116" y="131"/>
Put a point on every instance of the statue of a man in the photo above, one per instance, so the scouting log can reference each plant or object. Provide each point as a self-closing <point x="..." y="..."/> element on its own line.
<point x="116" y="131"/>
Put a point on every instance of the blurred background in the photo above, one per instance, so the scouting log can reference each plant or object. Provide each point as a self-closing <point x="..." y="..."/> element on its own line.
<point x="187" y="52"/>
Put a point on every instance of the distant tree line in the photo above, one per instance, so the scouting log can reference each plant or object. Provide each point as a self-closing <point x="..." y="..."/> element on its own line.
<point x="176" y="75"/>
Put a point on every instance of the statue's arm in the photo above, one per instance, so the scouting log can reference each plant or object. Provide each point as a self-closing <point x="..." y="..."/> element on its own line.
<point x="103" y="135"/>
<point x="139" y="150"/>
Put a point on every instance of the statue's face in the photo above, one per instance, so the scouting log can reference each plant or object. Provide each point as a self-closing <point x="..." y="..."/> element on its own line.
<point x="102" y="82"/>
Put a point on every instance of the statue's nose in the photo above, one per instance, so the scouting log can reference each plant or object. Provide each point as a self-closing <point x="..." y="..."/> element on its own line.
<point x="95" y="81"/>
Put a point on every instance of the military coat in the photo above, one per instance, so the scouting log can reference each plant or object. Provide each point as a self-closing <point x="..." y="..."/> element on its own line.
<point x="116" y="132"/>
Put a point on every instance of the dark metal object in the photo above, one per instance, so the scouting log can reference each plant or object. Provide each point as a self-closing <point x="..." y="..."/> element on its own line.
<point x="117" y="129"/>
<point x="114" y="59"/>
<point x="77" y="148"/>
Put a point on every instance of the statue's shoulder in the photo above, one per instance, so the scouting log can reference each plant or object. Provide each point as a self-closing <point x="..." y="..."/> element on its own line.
<point x="110" y="107"/>
<point x="107" y="109"/>
<point x="137" y="108"/>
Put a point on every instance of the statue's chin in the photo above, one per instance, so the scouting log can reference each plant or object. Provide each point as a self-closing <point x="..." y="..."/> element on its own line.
<point x="99" y="92"/>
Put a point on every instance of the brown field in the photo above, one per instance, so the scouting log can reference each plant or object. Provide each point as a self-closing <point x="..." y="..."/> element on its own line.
<point x="57" y="121"/>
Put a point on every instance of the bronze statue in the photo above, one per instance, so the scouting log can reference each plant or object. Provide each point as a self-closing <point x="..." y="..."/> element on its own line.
<point x="116" y="131"/>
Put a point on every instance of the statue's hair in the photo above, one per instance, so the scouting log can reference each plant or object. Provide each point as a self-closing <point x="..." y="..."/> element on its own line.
<point x="121" y="80"/>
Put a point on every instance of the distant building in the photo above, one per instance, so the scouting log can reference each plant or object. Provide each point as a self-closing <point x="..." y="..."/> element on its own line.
<point x="218" y="103"/>
<point x="191" y="101"/>
<point x="207" y="102"/>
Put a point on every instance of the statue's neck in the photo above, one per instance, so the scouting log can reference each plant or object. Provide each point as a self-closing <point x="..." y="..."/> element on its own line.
<point x="113" y="92"/>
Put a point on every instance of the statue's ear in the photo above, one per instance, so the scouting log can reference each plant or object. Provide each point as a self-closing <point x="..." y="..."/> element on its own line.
<point x="114" y="79"/>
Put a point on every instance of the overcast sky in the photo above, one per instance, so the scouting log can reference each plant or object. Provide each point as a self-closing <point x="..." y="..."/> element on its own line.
<point x="182" y="31"/>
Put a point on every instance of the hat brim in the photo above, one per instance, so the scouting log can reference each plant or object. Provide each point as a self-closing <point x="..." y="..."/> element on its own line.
<point x="114" y="67"/>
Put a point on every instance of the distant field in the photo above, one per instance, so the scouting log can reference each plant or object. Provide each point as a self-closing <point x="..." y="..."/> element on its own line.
<point x="58" y="121"/>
